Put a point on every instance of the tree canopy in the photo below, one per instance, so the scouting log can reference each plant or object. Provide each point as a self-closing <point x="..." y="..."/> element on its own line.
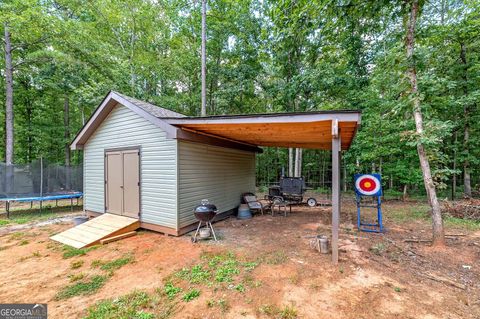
<point x="262" y="56"/>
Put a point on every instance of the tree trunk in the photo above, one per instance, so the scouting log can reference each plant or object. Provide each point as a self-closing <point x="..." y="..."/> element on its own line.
<point x="66" y="125"/>
<point x="290" y="162"/>
<point x="405" y="192"/>
<point x="298" y="162"/>
<point x="454" y="168"/>
<point x="8" y="98"/>
<point x="467" y="188"/>
<point x="437" y="222"/>
<point x="203" y="111"/>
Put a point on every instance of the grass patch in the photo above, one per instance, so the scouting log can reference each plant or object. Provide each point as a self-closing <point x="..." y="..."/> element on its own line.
<point x="117" y="263"/>
<point x="82" y="288"/>
<point x="171" y="291"/>
<point x="132" y="305"/>
<point x="418" y="212"/>
<point x="69" y="252"/>
<point x="274" y="258"/>
<point x="4" y="222"/>
<point x="76" y="264"/>
<point x="463" y="223"/>
<point x="190" y="295"/>
<point x="135" y="305"/>
<point x="23" y="242"/>
<point x="76" y="277"/>
<point x="285" y="312"/>
<point x="378" y="249"/>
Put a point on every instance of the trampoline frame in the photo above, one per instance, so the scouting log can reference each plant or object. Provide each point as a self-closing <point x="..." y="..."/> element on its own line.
<point x="41" y="199"/>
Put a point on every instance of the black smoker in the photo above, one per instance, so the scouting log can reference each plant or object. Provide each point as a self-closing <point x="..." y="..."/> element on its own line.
<point x="205" y="213"/>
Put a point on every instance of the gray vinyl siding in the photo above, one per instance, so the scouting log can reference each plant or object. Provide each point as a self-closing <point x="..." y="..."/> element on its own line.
<point x="158" y="192"/>
<point x="218" y="174"/>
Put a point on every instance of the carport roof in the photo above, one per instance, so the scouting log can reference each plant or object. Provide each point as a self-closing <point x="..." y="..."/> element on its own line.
<point x="313" y="130"/>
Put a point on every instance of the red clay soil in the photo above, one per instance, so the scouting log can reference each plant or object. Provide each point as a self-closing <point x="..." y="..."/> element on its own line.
<point x="379" y="276"/>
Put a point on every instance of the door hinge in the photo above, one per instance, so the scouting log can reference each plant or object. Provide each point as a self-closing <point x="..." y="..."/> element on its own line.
<point x="138" y="184"/>
<point x="138" y="153"/>
<point x="105" y="181"/>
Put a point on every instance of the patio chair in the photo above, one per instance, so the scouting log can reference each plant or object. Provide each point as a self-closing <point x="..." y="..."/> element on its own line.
<point x="254" y="204"/>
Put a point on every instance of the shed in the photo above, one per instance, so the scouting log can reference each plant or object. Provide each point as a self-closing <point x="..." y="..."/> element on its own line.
<point x="150" y="163"/>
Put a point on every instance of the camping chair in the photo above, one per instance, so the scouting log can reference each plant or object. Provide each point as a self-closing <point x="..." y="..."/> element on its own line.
<point x="254" y="204"/>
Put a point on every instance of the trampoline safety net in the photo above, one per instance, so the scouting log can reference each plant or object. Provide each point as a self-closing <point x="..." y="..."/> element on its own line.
<point x="39" y="179"/>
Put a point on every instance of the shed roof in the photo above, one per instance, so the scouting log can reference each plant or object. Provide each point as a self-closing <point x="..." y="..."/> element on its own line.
<point x="302" y="129"/>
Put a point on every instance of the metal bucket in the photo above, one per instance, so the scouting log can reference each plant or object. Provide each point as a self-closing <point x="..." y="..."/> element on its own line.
<point x="244" y="212"/>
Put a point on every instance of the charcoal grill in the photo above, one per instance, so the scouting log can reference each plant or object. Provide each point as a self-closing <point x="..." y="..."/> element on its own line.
<point x="205" y="213"/>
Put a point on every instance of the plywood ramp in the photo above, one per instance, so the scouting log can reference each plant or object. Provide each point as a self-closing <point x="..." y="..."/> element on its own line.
<point x="93" y="231"/>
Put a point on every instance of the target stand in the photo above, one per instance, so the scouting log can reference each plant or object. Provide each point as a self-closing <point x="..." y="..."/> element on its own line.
<point x="369" y="186"/>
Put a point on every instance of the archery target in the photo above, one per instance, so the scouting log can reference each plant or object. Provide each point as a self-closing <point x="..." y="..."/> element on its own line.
<point x="368" y="184"/>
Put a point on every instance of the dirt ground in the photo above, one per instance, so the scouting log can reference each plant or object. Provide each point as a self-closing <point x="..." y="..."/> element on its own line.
<point x="379" y="275"/>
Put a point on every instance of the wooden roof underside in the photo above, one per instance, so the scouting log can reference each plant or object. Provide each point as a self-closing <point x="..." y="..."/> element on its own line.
<point x="304" y="134"/>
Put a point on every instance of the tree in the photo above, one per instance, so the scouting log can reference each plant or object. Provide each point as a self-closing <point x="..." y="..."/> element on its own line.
<point x="437" y="221"/>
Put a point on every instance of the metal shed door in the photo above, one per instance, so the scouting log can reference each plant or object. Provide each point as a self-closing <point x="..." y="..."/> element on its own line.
<point x="122" y="184"/>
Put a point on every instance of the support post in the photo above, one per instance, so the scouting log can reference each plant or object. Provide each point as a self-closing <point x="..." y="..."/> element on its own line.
<point x="336" y="149"/>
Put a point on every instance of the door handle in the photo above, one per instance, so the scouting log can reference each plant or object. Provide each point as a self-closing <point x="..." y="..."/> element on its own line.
<point x="121" y="186"/>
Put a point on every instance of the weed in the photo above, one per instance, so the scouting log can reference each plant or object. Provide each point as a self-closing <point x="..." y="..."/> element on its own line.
<point x="69" y="252"/>
<point x="82" y="288"/>
<point x="36" y="254"/>
<point x="223" y="304"/>
<point x="249" y="266"/>
<point x="4" y="222"/>
<point x="17" y="236"/>
<point x="240" y="288"/>
<point x="267" y="309"/>
<point x="397" y="289"/>
<point x="287" y="312"/>
<point x="210" y="303"/>
<point x="76" y="264"/>
<point x="225" y="272"/>
<point x="171" y="291"/>
<point x="195" y="275"/>
<point x="378" y="249"/>
<point x="275" y="258"/>
<point x="23" y="242"/>
<point x="96" y="263"/>
<point x="117" y="263"/>
<point x="77" y="277"/>
<point x="191" y="294"/>
<point x="128" y="306"/>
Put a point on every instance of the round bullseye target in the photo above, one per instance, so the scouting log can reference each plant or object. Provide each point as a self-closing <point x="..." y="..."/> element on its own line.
<point x="368" y="185"/>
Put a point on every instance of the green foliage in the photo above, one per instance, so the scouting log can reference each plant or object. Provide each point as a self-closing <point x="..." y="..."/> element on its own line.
<point x="191" y="294"/>
<point x="130" y="306"/>
<point x="171" y="291"/>
<point x="263" y="56"/>
<point x="87" y="287"/>
<point x="117" y="263"/>
<point x="69" y="252"/>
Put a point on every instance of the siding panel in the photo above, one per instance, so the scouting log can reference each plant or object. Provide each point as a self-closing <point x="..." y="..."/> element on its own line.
<point x="124" y="128"/>
<point x="219" y="174"/>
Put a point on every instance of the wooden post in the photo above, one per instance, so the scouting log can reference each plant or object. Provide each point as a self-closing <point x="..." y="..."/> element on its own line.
<point x="336" y="149"/>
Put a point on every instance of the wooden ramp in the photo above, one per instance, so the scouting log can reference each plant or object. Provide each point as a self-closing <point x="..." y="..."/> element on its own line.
<point x="93" y="231"/>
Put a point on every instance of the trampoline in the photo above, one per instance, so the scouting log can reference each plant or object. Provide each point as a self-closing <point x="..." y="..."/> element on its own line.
<point x="41" y="199"/>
